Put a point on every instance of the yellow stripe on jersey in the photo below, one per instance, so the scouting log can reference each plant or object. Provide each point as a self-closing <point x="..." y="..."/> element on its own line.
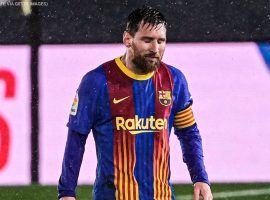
<point x="184" y="118"/>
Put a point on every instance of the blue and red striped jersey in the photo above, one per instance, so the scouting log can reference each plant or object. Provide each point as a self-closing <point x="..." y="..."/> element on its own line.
<point x="131" y="117"/>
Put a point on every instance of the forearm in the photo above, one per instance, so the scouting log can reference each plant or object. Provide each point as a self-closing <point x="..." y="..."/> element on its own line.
<point x="71" y="164"/>
<point x="191" y="144"/>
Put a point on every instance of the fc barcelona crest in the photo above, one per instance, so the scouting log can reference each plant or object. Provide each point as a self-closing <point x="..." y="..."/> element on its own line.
<point x="165" y="97"/>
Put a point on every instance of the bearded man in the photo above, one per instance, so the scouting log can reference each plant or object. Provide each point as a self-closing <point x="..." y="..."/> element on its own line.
<point x="131" y="104"/>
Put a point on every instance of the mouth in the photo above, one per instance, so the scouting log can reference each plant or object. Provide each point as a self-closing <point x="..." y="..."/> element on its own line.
<point x="152" y="58"/>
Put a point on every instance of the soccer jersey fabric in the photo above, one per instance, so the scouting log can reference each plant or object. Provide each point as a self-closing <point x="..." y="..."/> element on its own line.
<point x="131" y="117"/>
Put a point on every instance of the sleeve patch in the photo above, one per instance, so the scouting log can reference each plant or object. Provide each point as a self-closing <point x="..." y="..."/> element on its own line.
<point x="184" y="118"/>
<point x="75" y="104"/>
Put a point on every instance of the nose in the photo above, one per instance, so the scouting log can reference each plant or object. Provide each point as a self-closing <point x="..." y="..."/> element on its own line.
<point x="154" y="46"/>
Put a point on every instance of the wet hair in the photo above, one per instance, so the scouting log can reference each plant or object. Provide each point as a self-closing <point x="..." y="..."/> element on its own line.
<point x="145" y="14"/>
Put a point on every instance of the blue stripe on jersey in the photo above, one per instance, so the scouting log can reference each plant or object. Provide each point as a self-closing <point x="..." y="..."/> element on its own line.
<point x="103" y="134"/>
<point x="144" y="97"/>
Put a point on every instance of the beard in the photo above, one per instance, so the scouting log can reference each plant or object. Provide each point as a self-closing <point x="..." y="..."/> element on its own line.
<point x="145" y="63"/>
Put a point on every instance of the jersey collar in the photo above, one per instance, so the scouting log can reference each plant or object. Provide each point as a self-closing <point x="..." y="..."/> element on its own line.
<point x="131" y="74"/>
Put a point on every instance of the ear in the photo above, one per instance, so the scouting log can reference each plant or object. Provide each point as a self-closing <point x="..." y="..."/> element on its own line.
<point x="127" y="39"/>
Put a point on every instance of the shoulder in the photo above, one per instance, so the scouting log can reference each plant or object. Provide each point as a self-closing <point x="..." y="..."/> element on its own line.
<point x="180" y="89"/>
<point x="93" y="79"/>
<point x="94" y="74"/>
<point x="98" y="74"/>
<point x="177" y="74"/>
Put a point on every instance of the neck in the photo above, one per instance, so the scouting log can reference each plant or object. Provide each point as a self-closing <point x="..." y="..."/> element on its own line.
<point x="127" y="61"/>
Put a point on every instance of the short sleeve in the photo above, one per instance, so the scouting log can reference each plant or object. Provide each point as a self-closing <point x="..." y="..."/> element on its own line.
<point x="183" y="101"/>
<point x="83" y="110"/>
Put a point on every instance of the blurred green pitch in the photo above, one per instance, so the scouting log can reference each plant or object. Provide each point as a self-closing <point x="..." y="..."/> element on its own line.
<point x="84" y="192"/>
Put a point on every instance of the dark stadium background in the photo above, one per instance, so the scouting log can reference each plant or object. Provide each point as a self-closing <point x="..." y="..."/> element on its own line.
<point x="189" y="21"/>
<point x="96" y="22"/>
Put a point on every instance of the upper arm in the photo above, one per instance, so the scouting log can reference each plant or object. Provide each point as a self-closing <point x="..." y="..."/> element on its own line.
<point x="83" y="111"/>
<point x="182" y="107"/>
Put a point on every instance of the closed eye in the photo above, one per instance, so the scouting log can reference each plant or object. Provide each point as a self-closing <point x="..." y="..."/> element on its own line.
<point x="147" y="39"/>
<point x="160" y="41"/>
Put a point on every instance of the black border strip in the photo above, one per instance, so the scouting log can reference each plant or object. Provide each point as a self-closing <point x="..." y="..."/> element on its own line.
<point x="34" y="32"/>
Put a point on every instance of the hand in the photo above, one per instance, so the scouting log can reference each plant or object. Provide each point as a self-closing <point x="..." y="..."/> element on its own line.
<point x="67" y="198"/>
<point x="202" y="189"/>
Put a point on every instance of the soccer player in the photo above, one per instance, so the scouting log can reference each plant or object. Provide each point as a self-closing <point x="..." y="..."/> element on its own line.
<point x="131" y="104"/>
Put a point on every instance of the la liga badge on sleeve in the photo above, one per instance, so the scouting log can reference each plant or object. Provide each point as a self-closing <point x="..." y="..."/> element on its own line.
<point x="75" y="104"/>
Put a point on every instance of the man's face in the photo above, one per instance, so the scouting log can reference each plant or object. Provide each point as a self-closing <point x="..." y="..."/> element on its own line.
<point x="148" y="46"/>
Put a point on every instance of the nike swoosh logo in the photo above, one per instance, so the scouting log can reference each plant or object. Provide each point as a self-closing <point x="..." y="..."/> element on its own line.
<point x="116" y="101"/>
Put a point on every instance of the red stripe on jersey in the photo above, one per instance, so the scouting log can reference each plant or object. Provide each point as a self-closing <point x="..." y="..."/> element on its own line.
<point x="120" y="89"/>
<point x="163" y="85"/>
